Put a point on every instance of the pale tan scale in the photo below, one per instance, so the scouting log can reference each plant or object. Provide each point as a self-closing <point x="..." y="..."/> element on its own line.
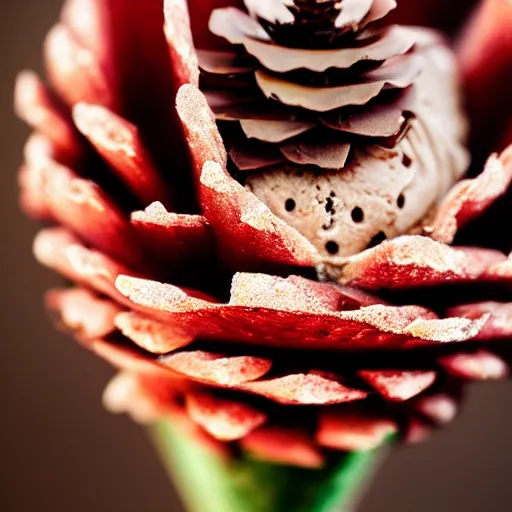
<point x="380" y="193"/>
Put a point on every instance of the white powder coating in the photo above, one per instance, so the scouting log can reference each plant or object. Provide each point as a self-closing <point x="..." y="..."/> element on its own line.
<point x="380" y="193"/>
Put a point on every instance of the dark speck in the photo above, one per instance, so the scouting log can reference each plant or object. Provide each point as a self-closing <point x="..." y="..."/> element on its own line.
<point x="332" y="247"/>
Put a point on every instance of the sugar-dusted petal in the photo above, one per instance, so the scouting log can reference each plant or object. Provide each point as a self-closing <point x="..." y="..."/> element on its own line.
<point x="83" y="312"/>
<point x="59" y="250"/>
<point x="130" y="360"/>
<point x="171" y="237"/>
<point x="125" y="395"/>
<point x="305" y="388"/>
<point x="179" y="38"/>
<point x="151" y="335"/>
<point x="352" y="429"/>
<point x="499" y="324"/>
<point x="181" y="420"/>
<point x="481" y="365"/>
<point x="500" y="271"/>
<point x="32" y="198"/>
<point x="125" y="42"/>
<point x="413" y="261"/>
<point x="470" y="198"/>
<point x="34" y="104"/>
<point x="88" y="21"/>
<point x="441" y="408"/>
<point x="217" y="369"/>
<point x="295" y="294"/>
<point x="263" y="312"/>
<point x="75" y="71"/>
<point x="226" y="420"/>
<point x="82" y="206"/>
<point x="283" y="446"/>
<point x="204" y="140"/>
<point x="40" y="149"/>
<point x="119" y="143"/>
<point x="398" y="385"/>
<point x="244" y="226"/>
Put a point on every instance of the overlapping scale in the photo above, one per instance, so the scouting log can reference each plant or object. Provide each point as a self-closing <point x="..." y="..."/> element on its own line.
<point x="318" y="102"/>
<point x="199" y="288"/>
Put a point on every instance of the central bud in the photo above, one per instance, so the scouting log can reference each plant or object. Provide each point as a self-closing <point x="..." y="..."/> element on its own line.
<point x="348" y="129"/>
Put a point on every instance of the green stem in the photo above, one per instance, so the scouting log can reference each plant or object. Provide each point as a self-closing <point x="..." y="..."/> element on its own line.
<point x="210" y="483"/>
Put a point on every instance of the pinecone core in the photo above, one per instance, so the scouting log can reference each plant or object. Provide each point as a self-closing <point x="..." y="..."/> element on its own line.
<point x="351" y="138"/>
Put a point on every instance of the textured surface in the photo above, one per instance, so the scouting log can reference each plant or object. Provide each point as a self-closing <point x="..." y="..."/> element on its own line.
<point x="63" y="458"/>
<point x="313" y="88"/>
<point x="211" y="317"/>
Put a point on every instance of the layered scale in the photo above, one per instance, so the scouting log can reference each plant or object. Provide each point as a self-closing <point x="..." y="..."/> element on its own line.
<point x="347" y="129"/>
<point x="203" y="295"/>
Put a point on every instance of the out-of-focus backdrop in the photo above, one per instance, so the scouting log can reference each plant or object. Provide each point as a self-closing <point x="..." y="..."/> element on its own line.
<point x="61" y="452"/>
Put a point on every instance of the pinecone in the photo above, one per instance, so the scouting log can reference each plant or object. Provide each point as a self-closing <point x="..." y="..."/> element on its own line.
<point x="287" y="261"/>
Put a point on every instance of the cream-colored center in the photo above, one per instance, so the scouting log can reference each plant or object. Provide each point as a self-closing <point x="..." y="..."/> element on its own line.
<point x="380" y="193"/>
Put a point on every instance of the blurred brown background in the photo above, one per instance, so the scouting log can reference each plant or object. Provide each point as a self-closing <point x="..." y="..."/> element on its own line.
<point x="61" y="452"/>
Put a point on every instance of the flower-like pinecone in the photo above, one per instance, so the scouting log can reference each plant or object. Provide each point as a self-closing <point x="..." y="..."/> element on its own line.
<point x="237" y="272"/>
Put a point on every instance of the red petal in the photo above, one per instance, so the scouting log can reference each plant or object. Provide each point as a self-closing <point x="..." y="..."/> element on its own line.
<point x="148" y="399"/>
<point x="155" y="337"/>
<point x="179" y="38"/>
<point x="61" y="251"/>
<point x="501" y="271"/>
<point x="125" y="394"/>
<point x="412" y="261"/>
<point x="83" y="312"/>
<point x="243" y="225"/>
<point x="120" y="144"/>
<point x="217" y="369"/>
<point x="223" y="419"/>
<point x="32" y="198"/>
<point x="75" y="71"/>
<point x="417" y="431"/>
<point x="129" y="360"/>
<point x="171" y="237"/>
<point x="88" y="21"/>
<point x="283" y="446"/>
<point x="352" y="430"/>
<point x="486" y="58"/>
<point x="37" y="108"/>
<point x="470" y="198"/>
<point x="82" y="206"/>
<point x="440" y="408"/>
<point x="39" y="149"/>
<point x="499" y="324"/>
<point x="481" y="365"/>
<point x="303" y="389"/>
<point x="257" y="314"/>
<point x="398" y="385"/>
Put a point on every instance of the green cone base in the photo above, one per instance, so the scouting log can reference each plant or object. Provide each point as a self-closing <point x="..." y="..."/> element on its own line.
<point x="208" y="482"/>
